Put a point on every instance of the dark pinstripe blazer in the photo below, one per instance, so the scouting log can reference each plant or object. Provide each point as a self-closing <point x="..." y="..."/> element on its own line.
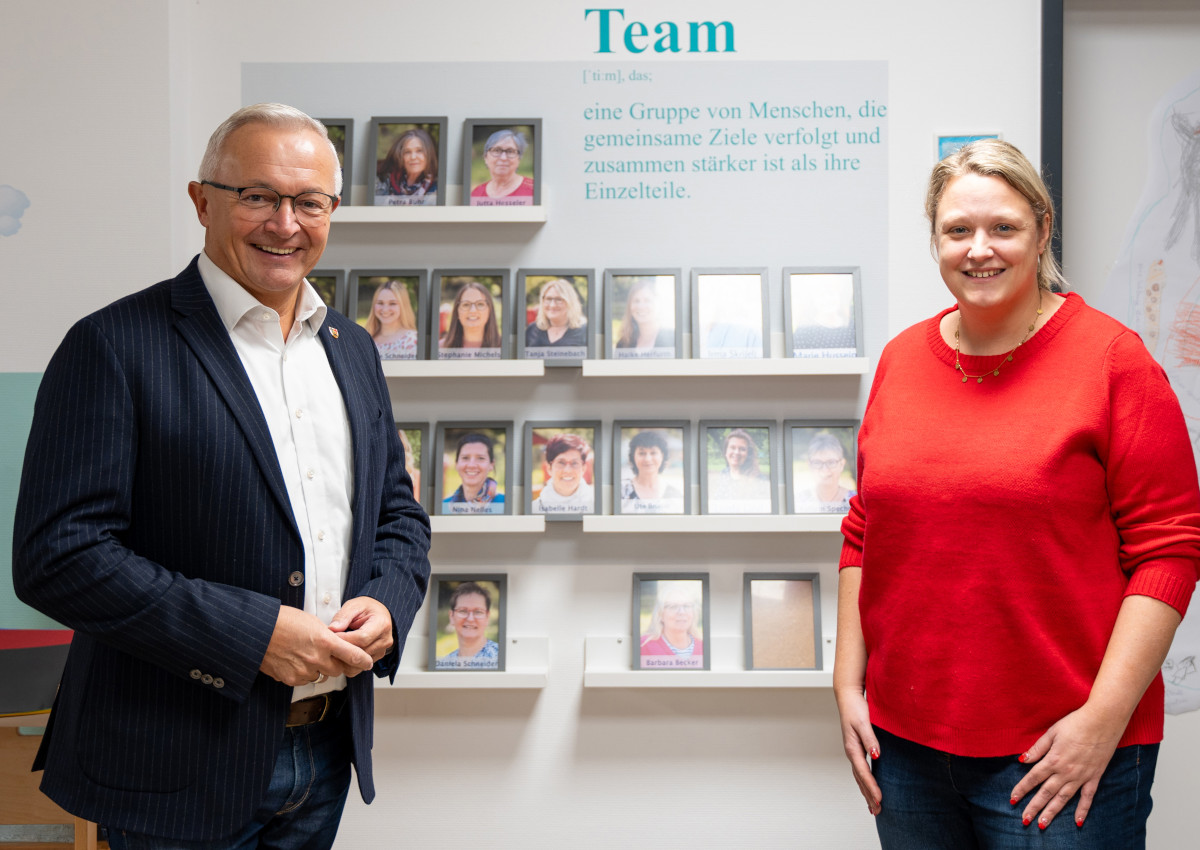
<point x="153" y="520"/>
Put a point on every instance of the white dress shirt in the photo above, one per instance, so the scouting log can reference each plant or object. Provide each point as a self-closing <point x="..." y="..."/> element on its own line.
<point x="307" y="418"/>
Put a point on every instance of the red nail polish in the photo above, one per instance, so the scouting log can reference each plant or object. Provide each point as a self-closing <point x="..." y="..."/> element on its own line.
<point x="1079" y="821"/>
<point x="1021" y="758"/>
<point x="1042" y="824"/>
<point x="1013" y="801"/>
<point x="1027" y="820"/>
<point x="874" y="752"/>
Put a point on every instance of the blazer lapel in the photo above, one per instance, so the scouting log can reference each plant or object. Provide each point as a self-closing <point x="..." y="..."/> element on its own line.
<point x="200" y="325"/>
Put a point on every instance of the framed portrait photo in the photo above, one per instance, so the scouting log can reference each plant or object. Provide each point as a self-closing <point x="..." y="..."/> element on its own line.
<point x="407" y="156"/>
<point x="559" y="314"/>
<point x="502" y="162"/>
<point x="643" y="313"/>
<point x="670" y="621"/>
<point x="821" y="466"/>
<point x="469" y="308"/>
<point x="467" y="622"/>
<point x="474" y="469"/>
<point x="562" y="461"/>
<point x="949" y="143"/>
<point x="782" y="621"/>
<point x="331" y="286"/>
<point x="729" y="316"/>
<point x="650" y="467"/>
<point x="738" y="471"/>
<point x="391" y="305"/>
<point x="341" y="133"/>
<point x="822" y="312"/>
<point x="414" y="436"/>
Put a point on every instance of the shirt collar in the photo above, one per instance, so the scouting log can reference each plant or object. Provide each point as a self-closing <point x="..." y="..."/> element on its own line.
<point x="233" y="301"/>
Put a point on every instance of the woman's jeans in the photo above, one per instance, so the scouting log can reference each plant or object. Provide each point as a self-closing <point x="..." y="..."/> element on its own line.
<point x="933" y="799"/>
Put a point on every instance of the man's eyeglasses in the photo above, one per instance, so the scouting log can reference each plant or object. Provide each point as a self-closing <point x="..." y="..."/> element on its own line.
<point x="511" y="153"/>
<point x="258" y="203"/>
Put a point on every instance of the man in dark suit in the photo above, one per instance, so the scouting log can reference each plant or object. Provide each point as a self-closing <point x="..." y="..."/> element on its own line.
<point x="214" y="497"/>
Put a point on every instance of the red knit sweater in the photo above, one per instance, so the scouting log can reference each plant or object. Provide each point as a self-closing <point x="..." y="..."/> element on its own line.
<point x="1000" y="524"/>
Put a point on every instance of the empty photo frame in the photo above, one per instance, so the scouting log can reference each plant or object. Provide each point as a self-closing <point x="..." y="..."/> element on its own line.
<point x="407" y="160"/>
<point x="467" y="622"/>
<point x="469" y="309"/>
<point x="474" y="472"/>
<point x="562" y="462"/>
<point x="643" y="314"/>
<point x="558" y="315"/>
<point x="341" y="133"/>
<point x="414" y="437"/>
<point x="651" y="468"/>
<point x="670" y="621"/>
<point x="729" y="315"/>
<point x="782" y="621"/>
<point x="502" y="162"/>
<point x="391" y="305"/>
<point x="822" y="312"/>
<point x="331" y="286"/>
<point x="738" y="468"/>
<point x="821" y="466"/>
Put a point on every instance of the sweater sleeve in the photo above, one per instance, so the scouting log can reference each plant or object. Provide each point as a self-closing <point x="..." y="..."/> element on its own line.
<point x="854" y="525"/>
<point x="1151" y="477"/>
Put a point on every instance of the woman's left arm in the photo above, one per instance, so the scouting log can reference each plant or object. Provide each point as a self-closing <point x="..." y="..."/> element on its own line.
<point x="1073" y="753"/>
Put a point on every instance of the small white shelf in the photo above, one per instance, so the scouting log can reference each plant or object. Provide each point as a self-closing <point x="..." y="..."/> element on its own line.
<point x="439" y="215"/>
<point x="712" y="523"/>
<point x="774" y="366"/>
<point x="488" y="524"/>
<point x="527" y="663"/>
<point x="607" y="665"/>
<point x="463" y="368"/>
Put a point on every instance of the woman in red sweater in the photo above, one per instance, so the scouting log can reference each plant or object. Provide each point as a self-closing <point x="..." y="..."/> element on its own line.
<point x="1023" y="544"/>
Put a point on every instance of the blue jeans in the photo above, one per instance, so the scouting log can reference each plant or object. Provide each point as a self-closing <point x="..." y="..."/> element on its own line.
<point x="303" y="805"/>
<point x="933" y="799"/>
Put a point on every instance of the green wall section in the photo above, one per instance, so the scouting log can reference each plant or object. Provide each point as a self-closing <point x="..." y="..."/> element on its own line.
<point x="18" y="389"/>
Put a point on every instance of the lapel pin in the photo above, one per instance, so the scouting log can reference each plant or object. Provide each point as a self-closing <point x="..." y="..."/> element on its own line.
<point x="333" y="332"/>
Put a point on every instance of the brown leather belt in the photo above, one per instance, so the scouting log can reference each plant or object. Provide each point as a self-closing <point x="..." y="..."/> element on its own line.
<point x="305" y="712"/>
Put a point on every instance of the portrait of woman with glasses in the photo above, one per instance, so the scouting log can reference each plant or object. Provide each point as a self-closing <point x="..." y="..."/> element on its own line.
<point x="822" y="469"/>
<point x="562" y="470"/>
<point x="672" y="632"/>
<point x="557" y="324"/>
<point x="509" y="181"/>
<point x="468" y="624"/>
<point x="468" y="316"/>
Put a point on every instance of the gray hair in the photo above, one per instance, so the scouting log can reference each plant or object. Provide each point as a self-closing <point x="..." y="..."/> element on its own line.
<point x="276" y="115"/>
<point x="500" y="135"/>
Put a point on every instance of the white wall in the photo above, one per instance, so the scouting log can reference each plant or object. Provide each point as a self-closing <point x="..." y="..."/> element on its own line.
<point x="144" y="84"/>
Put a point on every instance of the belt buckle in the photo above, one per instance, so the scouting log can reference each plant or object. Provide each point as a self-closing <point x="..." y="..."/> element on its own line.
<point x="324" y="708"/>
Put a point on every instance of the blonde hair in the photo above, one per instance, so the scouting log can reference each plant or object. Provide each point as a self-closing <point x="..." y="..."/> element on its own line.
<point x="574" y="305"/>
<point x="674" y="591"/>
<point x="408" y="319"/>
<point x="998" y="158"/>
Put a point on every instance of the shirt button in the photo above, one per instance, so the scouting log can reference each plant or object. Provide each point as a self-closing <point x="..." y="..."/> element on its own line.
<point x="218" y="683"/>
<point x="327" y="598"/>
<point x="195" y="674"/>
<point x="266" y="317"/>
<point x="206" y="679"/>
<point x="299" y="413"/>
<point x="311" y="474"/>
<point x="296" y="579"/>
<point x="320" y="535"/>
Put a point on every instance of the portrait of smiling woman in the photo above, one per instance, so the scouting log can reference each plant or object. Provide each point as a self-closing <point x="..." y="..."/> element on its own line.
<point x="407" y="161"/>
<point x="555" y="324"/>
<point x="474" y="472"/>
<point x="386" y="307"/>
<point x="467" y="624"/>
<point x="1023" y="543"/>
<point x="470" y="315"/>
<point x="502" y="163"/>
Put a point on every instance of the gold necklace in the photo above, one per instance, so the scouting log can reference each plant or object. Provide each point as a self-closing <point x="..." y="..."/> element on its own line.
<point x="1006" y="358"/>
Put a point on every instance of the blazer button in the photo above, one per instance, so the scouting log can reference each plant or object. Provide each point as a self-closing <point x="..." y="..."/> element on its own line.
<point x="296" y="579"/>
<point x="206" y="679"/>
<point x="195" y="674"/>
<point x="218" y="683"/>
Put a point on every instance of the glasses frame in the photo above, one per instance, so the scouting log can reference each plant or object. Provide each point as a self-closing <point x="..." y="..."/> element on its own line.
<point x="334" y="198"/>
<point x="441" y="588"/>
<point x="529" y="282"/>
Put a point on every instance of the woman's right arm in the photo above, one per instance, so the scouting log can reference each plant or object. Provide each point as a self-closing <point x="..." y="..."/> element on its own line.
<point x="849" y="677"/>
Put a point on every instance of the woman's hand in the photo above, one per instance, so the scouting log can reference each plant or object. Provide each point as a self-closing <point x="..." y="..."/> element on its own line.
<point x="1070" y="757"/>
<point x="860" y="743"/>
